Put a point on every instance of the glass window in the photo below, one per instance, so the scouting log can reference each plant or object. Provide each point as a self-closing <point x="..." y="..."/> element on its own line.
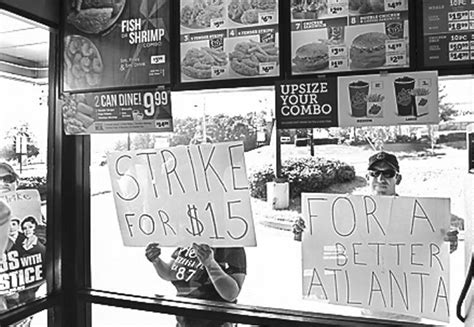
<point x="24" y="49"/>
<point x="431" y="164"/>
<point x="38" y="320"/>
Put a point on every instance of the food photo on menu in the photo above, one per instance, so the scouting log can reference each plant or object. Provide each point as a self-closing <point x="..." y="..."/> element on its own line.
<point x="315" y="9"/>
<point x="252" y="57"/>
<point x="83" y="65"/>
<point x="94" y="16"/>
<point x="202" y="62"/>
<point x="202" y="14"/>
<point x="356" y="47"/>
<point x="248" y="12"/>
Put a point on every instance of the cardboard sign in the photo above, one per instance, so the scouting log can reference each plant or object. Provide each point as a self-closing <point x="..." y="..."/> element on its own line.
<point x="176" y="196"/>
<point x="392" y="99"/>
<point x="22" y="265"/>
<point x="383" y="253"/>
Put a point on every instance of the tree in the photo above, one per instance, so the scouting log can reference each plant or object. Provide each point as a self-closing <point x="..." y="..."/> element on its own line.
<point x="8" y="151"/>
<point x="446" y="109"/>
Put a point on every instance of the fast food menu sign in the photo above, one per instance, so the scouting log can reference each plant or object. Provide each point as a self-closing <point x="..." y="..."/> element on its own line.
<point x="384" y="253"/>
<point x="228" y="39"/>
<point x="115" y="43"/>
<point x="391" y="99"/>
<point x="448" y="32"/>
<point x="179" y="195"/>
<point x="306" y="103"/>
<point x="117" y="112"/>
<point x="348" y="35"/>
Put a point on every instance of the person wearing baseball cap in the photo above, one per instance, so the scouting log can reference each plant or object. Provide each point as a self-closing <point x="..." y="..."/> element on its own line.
<point x="383" y="173"/>
<point x="383" y="176"/>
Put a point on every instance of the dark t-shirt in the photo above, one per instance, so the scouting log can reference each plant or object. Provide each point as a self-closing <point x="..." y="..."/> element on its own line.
<point x="191" y="278"/>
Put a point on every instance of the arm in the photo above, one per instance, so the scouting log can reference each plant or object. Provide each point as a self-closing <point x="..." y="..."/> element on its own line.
<point x="163" y="269"/>
<point x="228" y="286"/>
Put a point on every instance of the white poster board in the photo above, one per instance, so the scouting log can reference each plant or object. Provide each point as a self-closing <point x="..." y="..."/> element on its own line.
<point x="184" y="194"/>
<point x="384" y="253"/>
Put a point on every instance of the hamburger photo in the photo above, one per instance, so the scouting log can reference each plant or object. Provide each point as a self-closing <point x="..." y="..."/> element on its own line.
<point x="311" y="57"/>
<point x="368" y="50"/>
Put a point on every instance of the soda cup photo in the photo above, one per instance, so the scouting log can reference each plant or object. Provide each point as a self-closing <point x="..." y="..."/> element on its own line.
<point x="404" y="95"/>
<point x="358" y="92"/>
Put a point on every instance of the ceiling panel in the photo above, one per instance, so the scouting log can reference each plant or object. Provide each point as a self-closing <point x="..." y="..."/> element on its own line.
<point x="22" y="43"/>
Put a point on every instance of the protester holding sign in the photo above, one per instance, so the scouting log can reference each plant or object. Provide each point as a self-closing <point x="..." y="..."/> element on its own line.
<point x="383" y="176"/>
<point x="202" y="272"/>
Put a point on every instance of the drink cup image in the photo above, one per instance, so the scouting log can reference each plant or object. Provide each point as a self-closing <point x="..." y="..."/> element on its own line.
<point x="135" y="114"/>
<point x="403" y="94"/>
<point x="140" y="116"/>
<point x="358" y="92"/>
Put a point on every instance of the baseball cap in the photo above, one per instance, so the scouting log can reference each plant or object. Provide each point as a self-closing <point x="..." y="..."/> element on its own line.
<point x="386" y="157"/>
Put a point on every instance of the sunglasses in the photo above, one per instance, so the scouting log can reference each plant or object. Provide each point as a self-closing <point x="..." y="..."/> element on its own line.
<point x="385" y="173"/>
<point x="8" y="179"/>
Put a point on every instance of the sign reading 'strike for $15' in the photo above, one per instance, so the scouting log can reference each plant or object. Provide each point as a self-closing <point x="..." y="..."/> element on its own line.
<point x="179" y="195"/>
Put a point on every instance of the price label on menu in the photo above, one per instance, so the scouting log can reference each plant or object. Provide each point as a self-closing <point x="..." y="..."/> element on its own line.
<point x="266" y="18"/>
<point x="218" y="71"/>
<point x="471" y="25"/>
<point x="266" y="68"/>
<point x="458" y="15"/>
<point x="338" y="63"/>
<point x="337" y="51"/>
<point x="217" y="23"/>
<point x="459" y="56"/>
<point x="396" y="60"/>
<point x="393" y="5"/>
<point x="395" y="46"/>
<point x="459" y="46"/>
<point x="471" y="14"/>
<point x="458" y="26"/>
<point x="472" y="55"/>
<point x="335" y="10"/>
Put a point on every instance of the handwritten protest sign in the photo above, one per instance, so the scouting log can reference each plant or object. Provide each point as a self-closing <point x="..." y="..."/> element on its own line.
<point x="378" y="252"/>
<point x="184" y="194"/>
<point x="22" y="264"/>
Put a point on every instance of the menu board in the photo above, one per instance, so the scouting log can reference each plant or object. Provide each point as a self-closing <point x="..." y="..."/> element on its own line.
<point x="448" y="32"/>
<point x="115" y="43"/>
<point x="228" y="39"/>
<point x="348" y="35"/>
<point x="117" y="112"/>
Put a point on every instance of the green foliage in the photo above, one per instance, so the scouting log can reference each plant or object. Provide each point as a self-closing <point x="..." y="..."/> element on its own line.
<point x="304" y="175"/>
<point x="34" y="182"/>
<point x="8" y="151"/>
<point x="446" y="110"/>
<point x="219" y="128"/>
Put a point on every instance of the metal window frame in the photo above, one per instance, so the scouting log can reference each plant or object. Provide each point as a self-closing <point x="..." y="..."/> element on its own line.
<point x="70" y="296"/>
